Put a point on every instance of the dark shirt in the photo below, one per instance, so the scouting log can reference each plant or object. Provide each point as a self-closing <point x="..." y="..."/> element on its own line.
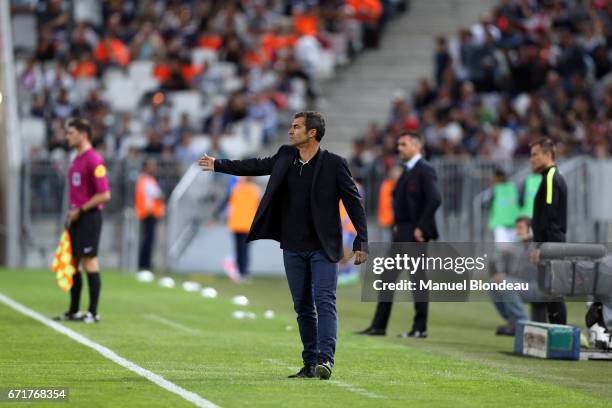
<point x="297" y="227"/>
<point x="549" y="223"/>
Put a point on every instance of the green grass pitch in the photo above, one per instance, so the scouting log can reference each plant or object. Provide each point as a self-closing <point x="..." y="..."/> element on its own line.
<point x="195" y="343"/>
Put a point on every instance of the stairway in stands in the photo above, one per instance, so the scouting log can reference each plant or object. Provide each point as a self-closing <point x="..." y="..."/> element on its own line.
<point x="362" y="92"/>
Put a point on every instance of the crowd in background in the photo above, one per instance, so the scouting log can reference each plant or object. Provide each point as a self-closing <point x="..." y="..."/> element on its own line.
<point x="527" y="69"/>
<point x="269" y="43"/>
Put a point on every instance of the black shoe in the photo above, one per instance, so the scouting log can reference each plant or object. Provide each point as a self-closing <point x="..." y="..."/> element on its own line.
<point x="308" y="371"/>
<point x="370" y="331"/>
<point x="67" y="316"/>
<point x="413" y="333"/>
<point x="506" y="330"/>
<point x="324" y="370"/>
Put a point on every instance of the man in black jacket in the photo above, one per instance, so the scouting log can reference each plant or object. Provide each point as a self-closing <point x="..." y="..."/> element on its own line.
<point x="416" y="198"/>
<point x="300" y="209"/>
<point x="549" y="222"/>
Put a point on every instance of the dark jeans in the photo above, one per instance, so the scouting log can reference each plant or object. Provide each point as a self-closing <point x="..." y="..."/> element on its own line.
<point x="312" y="281"/>
<point x="147" y="240"/>
<point x="242" y="253"/>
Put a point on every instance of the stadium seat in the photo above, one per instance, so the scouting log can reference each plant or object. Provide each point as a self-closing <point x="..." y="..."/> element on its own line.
<point x="136" y="141"/>
<point x="234" y="146"/>
<point x="201" y="56"/>
<point x="141" y="74"/>
<point x="200" y="143"/>
<point x="121" y="92"/>
<point x="141" y="69"/>
<point x="231" y="85"/>
<point x="82" y="89"/>
<point x="186" y="101"/>
<point x="88" y="10"/>
<point x="324" y="69"/>
<point x="296" y="100"/>
<point x="252" y="133"/>
<point x="111" y="75"/>
<point x="24" y="32"/>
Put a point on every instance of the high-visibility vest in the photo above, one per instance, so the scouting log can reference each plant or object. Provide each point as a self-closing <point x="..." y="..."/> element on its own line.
<point x="385" y="203"/>
<point x="242" y="206"/>
<point x="532" y="184"/>
<point x="148" y="200"/>
<point x="504" y="208"/>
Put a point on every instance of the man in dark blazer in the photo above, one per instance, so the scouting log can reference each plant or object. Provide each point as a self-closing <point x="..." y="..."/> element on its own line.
<point x="300" y="209"/>
<point x="416" y="198"/>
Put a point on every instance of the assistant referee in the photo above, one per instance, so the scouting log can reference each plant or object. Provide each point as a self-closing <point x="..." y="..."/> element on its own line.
<point x="88" y="192"/>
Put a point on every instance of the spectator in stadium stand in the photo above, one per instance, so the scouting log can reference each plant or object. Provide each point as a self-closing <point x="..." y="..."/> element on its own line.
<point x="185" y="152"/>
<point x="147" y="43"/>
<point x="442" y="59"/>
<point x="112" y="51"/>
<point x="216" y="123"/>
<point x="175" y="79"/>
<point x="369" y="13"/>
<point x="154" y="142"/>
<point x="85" y="66"/>
<point x="150" y="208"/>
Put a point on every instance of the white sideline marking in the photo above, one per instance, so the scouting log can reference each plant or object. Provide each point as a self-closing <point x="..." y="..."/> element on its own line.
<point x="172" y="324"/>
<point x="111" y="355"/>
<point x="341" y="384"/>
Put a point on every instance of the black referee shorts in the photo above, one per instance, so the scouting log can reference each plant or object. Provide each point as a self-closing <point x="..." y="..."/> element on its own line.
<point x="85" y="234"/>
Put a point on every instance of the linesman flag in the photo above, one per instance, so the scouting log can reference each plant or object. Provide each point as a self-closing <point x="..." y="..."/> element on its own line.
<point x="64" y="265"/>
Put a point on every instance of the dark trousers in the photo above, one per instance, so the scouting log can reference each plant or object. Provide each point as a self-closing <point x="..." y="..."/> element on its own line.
<point x="147" y="240"/>
<point x="312" y="279"/>
<point x="242" y="253"/>
<point x="421" y="307"/>
<point x="380" y="321"/>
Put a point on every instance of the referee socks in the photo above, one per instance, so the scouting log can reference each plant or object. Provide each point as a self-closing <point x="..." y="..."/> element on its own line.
<point x="75" y="292"/>
<point x="95" y="284"/>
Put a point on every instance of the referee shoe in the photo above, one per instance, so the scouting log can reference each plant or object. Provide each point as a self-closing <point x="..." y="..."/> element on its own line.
<point x="67" y="316"/>
<point x="89" y="317"/>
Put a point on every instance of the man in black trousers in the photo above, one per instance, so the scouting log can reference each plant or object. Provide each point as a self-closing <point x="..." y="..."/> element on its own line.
<point x="416" y="198"/>
<point x="300" y="209"/>
<point x="549" y="223"/>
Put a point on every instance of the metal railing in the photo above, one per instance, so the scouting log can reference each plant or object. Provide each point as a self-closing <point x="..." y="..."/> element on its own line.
<point x="192" y="202"/>
<point x="44" y="203"/>
<point x="194" y="195"/>
<point x="466" y="194"/>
